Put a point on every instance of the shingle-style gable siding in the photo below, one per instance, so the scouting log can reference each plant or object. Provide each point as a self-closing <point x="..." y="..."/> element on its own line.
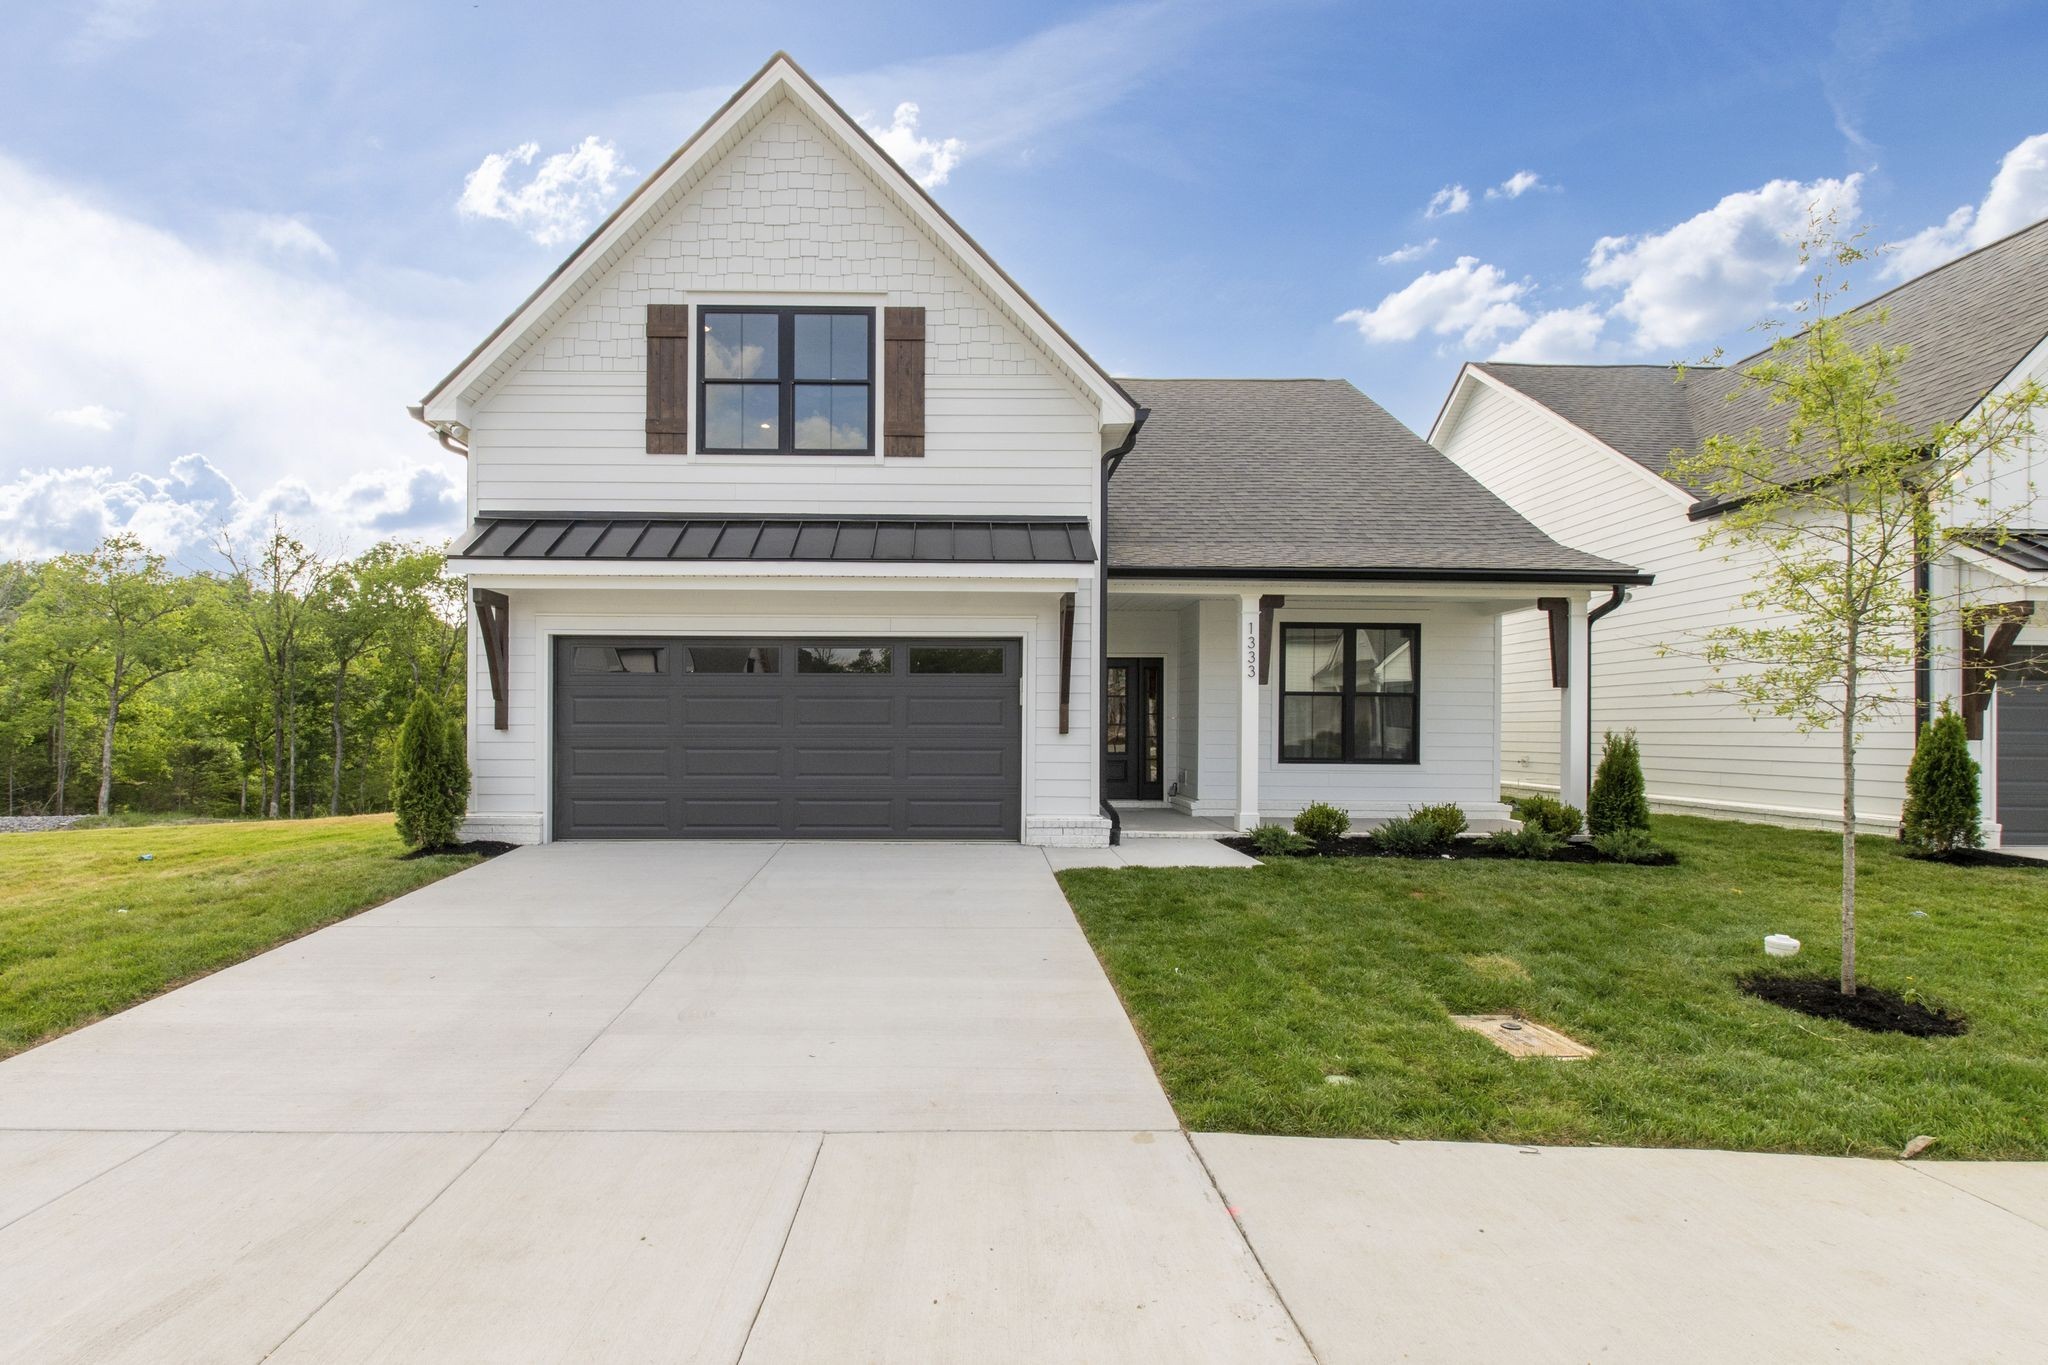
<point x="784" y="213"/>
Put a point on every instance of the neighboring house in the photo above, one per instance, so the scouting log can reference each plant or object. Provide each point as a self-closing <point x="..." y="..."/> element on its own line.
<point x="1584" y="451"/>
<point x="788" y="519"/>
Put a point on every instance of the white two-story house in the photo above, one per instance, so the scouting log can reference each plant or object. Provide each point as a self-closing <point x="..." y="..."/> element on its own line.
<point x="1586" y="452"/>
<point x="792" y="515"/>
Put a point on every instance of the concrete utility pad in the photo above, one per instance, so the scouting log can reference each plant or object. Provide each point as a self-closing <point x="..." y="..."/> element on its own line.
<point x="578" y="1246"/>
<point x="211" y="1246"/>
<point x="1519" y="1037"/>
<point x="356" y="1028"/>
<point x="1458" y="1252"/>
<point x="1025" y="1247"/>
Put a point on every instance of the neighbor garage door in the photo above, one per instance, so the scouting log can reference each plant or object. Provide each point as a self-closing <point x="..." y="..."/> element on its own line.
<point x="660" y="737"/>
<point x="2023" y="750"/>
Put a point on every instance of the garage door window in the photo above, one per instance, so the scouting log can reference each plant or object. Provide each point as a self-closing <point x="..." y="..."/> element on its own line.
<point x="605" y="659"/>
<point x="956" y="659"/>
<point x="843" y="659"/>
<point x="733" y="658"/>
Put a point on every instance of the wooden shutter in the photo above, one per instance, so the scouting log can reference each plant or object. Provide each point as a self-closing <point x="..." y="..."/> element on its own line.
<point x="668" y="378"/>
<point x="903" y="381"/>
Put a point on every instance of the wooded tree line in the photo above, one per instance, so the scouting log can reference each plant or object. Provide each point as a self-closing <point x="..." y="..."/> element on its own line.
<point x="275" y="686"/>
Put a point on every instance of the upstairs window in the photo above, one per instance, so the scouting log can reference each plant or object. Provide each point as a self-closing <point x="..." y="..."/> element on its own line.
<point x="1349" y="694"/>
<point x="789" y="381"/>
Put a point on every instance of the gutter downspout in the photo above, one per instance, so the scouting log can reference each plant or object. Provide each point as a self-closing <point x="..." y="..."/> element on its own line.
<point x="418" y="413"/>
<point x="1616" y="595"/>
<point x="1110" y="460"/>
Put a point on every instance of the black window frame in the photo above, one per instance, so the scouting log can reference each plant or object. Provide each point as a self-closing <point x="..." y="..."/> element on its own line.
<point x="786" y="379"/>
<point x="1350" y="694"/>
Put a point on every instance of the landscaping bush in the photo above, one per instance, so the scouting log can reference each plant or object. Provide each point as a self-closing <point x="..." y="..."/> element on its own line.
<point x="1618" y="802"/>
<point x="1631" y="846"/>
<point x="1447" y="818"/>
<point x="1272" y="841"/>
<point x="1941" y="791"/>
<point x="1531" y="841"/>
<point x="1321" y="822"/>
<point x="1548" y="814"/>
<point x="1424" y="832"/>
<point x="429" y="777"/>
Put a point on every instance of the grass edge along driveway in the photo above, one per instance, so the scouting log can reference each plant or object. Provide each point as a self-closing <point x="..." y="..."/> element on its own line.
<point x="87" y="929"/>
<point x="1252" y="987"/>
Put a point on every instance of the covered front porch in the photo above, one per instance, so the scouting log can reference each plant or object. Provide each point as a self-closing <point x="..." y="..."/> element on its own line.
<point x="1231" y="704"/>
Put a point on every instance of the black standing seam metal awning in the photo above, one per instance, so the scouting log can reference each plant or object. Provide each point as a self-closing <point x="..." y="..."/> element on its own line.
<point x="875" y="540"/>
<point x="2024" y="550"/>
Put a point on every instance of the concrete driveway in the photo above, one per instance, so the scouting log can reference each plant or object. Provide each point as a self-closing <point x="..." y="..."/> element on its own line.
<point x="624" y="1102"/>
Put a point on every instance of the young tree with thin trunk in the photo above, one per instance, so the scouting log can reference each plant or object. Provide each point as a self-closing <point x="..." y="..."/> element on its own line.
<point x="1839" y="506"/>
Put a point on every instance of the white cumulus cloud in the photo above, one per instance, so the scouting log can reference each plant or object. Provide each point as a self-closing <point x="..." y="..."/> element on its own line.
<point x="1719" y="269"/>
<point x="183" y="512"/>
<point x="926" y="160"/>
<point x="1448" y="200"/>
<point x="561" y="198"/>
<point x="283" y="235"/>
<point x="1413" y="251"/>
<point x="1470" y="300"/>
<point x="1517" y="185"/>
<point x="1560" y="336"/>
<point x="2017" y="197"/>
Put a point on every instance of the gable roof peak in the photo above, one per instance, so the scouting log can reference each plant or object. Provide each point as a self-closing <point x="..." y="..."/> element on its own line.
<point x="780" y="77"/>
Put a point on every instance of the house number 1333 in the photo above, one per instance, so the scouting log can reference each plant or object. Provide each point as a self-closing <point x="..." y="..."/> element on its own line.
<point x="1251" y="649"/>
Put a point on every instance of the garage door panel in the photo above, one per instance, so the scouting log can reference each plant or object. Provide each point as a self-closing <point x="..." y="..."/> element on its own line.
<point x="681" y="752"/>
<point x="2023" y="751"/>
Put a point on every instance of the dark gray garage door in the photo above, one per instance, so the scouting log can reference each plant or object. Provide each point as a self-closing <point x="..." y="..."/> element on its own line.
<point x="2023" y="751"/>
<point x="659" y="737"/>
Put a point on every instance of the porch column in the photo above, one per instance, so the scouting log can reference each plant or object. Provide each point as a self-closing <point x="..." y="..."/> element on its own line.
<point x="1248" y="712"/>
<point x="1575" y="698"/>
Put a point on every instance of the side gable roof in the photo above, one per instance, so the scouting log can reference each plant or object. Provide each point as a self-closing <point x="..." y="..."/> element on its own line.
<point x="780" y="78"/>
<point x="1965" y="325"/>
<point x="1294" y="476"/>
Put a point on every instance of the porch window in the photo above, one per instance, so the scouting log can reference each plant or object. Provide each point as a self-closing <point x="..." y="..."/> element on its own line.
<point x="1349" y="694"/>
<point x="786" y="380"/>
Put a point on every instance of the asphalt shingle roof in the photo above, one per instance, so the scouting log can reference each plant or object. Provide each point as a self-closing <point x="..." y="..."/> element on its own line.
<point x="1310" y="474"/>
<point x="1965" y="325"/>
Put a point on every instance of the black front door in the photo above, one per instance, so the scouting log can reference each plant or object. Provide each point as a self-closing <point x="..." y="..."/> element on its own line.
<point x="1132" y="766"/>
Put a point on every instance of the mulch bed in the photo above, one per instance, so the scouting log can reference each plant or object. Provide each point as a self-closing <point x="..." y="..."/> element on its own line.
<point x="1979" y="857"/>
<point x="1362" y="846"/>
<point x="1872" y="1009"/>
<point x="483" y="848"/>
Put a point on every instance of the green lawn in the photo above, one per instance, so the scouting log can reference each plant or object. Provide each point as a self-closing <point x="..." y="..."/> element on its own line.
<point x="87" y="929"/>
<point x="1251" y="987"/>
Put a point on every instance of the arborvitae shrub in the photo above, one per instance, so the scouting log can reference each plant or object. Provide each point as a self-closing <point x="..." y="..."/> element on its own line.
<point x="1941" y="791"/>
<point x="1618" y="801"/>
<point x="429" y="776"/>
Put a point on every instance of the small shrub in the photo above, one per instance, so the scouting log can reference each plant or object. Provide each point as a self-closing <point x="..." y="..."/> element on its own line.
<point x="429" y="777"/>
<point x="1631" y="846"/>
<point x="1321" y="822"/>
<point x="1407" y="837"/>
<point x="1447" y="818"/>
<point x="1273" y="841"/>
<point x="1530" y="841"/>
<point x="1549" y="814"/>
<point x="1618" y="801"/>
<point x="1941" y="791"/>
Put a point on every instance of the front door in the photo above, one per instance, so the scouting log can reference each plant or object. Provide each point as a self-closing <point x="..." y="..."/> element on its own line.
<point x="1133" y="768"/>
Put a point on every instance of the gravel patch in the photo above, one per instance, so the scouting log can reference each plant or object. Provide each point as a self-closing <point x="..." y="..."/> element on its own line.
<point x="36" y="824"/>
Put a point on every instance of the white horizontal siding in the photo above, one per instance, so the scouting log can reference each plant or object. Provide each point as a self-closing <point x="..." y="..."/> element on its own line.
<point x="1700" y="749"/>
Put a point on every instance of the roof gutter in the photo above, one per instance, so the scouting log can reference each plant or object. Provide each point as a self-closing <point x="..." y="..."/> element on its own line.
<point x="1608" y="577"/>
<point x="443" y="431"/>
<point x="1110" y="460"/>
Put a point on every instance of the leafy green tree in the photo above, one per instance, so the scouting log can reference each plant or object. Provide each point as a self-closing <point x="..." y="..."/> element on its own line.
<point x="430" y="780"/>
<point x="1619" y="799"/>
<point x="1942" y="798"/>
<point x="272" y="591"/>
<point x="1840" y="504"/>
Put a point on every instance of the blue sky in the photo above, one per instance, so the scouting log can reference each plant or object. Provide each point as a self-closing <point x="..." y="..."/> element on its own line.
<point x="237" y="237"/>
